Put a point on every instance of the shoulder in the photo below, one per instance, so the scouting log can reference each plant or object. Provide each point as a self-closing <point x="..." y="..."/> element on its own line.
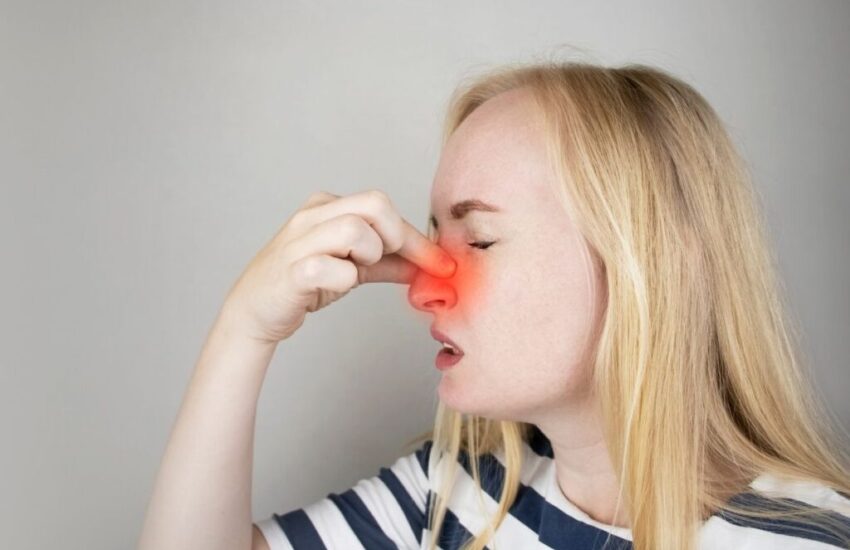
<point x="812" y="516"/>
<point x="416" y="464"/>
<point x="387" y="510"/>
<point x="809" y="492"/>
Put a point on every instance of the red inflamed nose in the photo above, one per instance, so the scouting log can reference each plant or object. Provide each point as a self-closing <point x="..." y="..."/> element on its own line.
<point x="461" y="289"/>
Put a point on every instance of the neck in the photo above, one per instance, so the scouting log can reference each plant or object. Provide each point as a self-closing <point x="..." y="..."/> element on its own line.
<point x="586" y="475"/>
<point x="583" y="465"/>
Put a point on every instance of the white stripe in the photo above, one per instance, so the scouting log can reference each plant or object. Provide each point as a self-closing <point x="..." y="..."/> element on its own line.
<point x="539" y="473"/>
<point x="331" y="525"/>
<point x="718" y="534"/>
<point x="386" y="511"/>
<point x="384" y="506"/>
<point x="464" y="503"/>
<point x="804" y="491"/>
<point x="426" y="538"/>
<point x="409" y="472"/>
<point x="275" y="537"/>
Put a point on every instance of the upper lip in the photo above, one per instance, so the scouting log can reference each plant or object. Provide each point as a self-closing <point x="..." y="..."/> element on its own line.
<point x="440" y="337"/>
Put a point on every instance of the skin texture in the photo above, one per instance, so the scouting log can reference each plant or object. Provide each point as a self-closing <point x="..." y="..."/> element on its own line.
<point x="526" y="310"/>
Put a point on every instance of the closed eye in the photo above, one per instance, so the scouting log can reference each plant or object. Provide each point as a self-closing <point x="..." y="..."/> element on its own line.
<point x="483" y="245"/>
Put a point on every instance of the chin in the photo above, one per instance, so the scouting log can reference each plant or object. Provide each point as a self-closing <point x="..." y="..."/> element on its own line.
<point x="456" y="397"/>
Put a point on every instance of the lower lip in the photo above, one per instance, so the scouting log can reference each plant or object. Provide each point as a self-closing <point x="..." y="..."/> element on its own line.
<point x="445" y="360"/>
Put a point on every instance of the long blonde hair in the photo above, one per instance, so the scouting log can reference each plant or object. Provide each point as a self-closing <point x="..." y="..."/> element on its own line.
<point x="698" y="368"/>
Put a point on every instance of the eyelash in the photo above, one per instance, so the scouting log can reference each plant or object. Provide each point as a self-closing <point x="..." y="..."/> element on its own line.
<point x="482" y="245"/>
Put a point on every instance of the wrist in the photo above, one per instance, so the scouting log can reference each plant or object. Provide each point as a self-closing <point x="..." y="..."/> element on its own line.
<point x="232" y="325"/>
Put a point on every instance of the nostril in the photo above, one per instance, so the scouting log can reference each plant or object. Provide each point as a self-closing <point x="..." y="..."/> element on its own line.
<point x="429" y="293"/>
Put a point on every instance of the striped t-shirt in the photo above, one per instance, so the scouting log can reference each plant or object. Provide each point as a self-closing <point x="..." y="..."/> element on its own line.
<point x="390" y="511"/>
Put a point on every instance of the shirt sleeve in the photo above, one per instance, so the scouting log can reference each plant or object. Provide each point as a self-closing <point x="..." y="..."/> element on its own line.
<point x="387" y="511"/>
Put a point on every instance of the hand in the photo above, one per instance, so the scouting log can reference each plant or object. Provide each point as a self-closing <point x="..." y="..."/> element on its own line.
<point x="327" y="247"/>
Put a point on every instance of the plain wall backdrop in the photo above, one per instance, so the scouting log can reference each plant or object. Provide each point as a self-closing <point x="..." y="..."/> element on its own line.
<point x="149" y="149"/>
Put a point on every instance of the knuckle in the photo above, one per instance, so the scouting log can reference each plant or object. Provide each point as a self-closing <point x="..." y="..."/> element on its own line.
<point x="394" y="238"/>
<point x="298" y="218"/>
<point x="353" y="274"/>
<point x="384" y="209"/>
<point x="351" y="227"/>
<point x="318" y="197"/>
<point x="377" y="194"/>
<point x="307" y="269"/>
<point x="326" y="195"/>
<point x="380" y="200"/>
<point x="394" y="243"/>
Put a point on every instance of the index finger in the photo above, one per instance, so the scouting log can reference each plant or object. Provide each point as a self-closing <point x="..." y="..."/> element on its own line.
<point x="398" y="235"/>
<point x="422" y="251"/>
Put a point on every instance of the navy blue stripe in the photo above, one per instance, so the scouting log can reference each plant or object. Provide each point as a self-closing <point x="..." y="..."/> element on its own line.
<point x="453" y="534"/>
<point x="415" y="518"/>
<point x="423" y="454"/>
<point x="557" y="529"/>
<point x="361" y="520"/>
<point x="786" y="526"/>
<point x="554" y="527"/>
<point x="299" y="530"/>
<point x="539" y="443"/>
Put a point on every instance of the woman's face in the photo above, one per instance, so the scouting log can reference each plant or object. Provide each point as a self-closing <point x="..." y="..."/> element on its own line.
<point x="522" y="310"/>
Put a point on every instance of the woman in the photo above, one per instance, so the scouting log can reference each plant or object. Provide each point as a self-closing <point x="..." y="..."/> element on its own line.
<point x="623" y="372"/>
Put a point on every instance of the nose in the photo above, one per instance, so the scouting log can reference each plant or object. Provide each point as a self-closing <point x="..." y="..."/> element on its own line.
<point x="428" y="293"/>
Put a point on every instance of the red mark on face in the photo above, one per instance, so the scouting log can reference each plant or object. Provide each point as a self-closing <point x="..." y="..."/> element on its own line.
<point x="461" y="291"/>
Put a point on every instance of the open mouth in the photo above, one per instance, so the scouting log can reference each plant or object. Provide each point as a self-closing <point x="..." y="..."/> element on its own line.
<point x="449" y="346"/>
<point x="449" y="351"/>
<point x="448" y="356"/>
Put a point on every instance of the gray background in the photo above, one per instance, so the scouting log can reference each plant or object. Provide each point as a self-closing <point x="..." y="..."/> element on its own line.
<point x="149" y="149"/>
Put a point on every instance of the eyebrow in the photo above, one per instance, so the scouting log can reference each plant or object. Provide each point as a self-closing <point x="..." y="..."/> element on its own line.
<point x="459" y="209"/>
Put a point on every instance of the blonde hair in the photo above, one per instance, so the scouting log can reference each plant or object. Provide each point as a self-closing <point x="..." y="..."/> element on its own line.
<point x="697" y="366"/>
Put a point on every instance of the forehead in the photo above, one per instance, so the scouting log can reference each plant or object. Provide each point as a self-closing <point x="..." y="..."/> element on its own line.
<point x="497" y="155"/>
